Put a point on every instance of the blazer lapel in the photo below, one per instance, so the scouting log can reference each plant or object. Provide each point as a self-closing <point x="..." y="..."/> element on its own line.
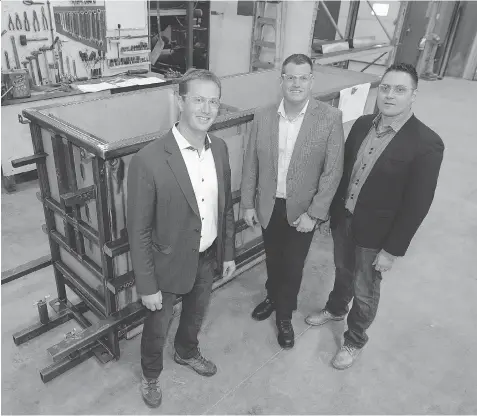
<point x="274" y="136"/>
<point x="308" y="121"/>
<point x="219" y="168"/>
<point x="179" y="169"/>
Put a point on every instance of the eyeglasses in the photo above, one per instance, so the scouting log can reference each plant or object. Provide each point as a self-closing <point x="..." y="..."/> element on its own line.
<point x="198" y="100"/>
<point x="398" y="89"/>
<point x="301" y="78"/>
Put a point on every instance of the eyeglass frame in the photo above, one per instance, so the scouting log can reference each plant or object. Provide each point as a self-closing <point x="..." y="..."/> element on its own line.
<point x="393" y="88"/>
<point x="213" y="102"/>
<point x="297" y="77"/>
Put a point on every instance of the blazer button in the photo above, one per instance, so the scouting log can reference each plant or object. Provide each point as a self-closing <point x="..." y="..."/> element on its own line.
<point x="197" y="230"/>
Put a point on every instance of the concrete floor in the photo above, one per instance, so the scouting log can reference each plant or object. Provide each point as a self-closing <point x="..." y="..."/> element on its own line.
<point x="419" y="360"/>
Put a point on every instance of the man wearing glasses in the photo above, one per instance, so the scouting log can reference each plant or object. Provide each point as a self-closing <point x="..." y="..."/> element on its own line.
<point x="292" y="168"/>
<point x="181" y="228"/>
<point x="392" y="164"/>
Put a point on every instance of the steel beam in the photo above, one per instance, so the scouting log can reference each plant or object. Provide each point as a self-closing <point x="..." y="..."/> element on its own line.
<point x="27" y="268"/>
<point x="88" y="336"/>
<point x="330" y="17"/>
<point x="379" y="21"/>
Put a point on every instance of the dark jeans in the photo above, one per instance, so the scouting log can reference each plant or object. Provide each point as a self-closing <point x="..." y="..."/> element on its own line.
<point x="156" y="324"/>
<point x="286" y="250"/>
<point x="355" y="278"/>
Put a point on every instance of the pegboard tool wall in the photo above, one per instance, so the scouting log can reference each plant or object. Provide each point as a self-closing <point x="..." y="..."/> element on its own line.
<point x="131" y="15"/>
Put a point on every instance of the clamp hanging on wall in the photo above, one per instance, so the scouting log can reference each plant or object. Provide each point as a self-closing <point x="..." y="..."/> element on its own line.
<point x="36" y="22"/>
<point x="26" y="22"/>
<point x="11" y="26"/>
<point x="18" y="22"/>
<point x="44" y="20"/>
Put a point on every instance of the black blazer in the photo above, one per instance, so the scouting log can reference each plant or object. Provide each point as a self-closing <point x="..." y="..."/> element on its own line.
<point x="399" y="190"/>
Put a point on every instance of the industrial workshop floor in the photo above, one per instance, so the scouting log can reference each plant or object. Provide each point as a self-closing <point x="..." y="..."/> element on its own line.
<point x="421" y="354"/>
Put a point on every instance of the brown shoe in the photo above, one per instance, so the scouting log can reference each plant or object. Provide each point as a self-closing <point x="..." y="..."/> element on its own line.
<point x="345" y="357"/>
<point x="322" y="317"/>
<point x="198" y="363"/>
<point x="151" y="392"/>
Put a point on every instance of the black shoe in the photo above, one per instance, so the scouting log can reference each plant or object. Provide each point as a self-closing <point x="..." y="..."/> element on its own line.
<point x="286" y="336"/>
<point x="263" y="310"/>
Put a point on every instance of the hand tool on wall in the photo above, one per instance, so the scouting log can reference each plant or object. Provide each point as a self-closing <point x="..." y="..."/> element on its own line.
<point x="24" y="40"/>
<point x="36" y="23"/>
<point x="18" y="22"/>
<point x="89" y="25"/>
<point x="81" y="25"/>
<point x="11" y="26"/>
<point x="6" y="59"/>
<point x="44" y="20"/>
<point x="68" y="66"/>
<point x="119" y="37"/>
<point x="32" y="72"/>
<point x="26" y="22"/>
<point x="15" y="52"/>
<point x="60" y="55"/>
<point x="93" y="26"/>
<point x="51" y="24"/>
<point x="43" y="50"/>
<point x="35" y="57"/>
<point x="30" y="3"/>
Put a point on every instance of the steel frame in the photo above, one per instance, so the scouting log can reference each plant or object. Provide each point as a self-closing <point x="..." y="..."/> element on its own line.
<point x="100" y="339"/>
<point x="351" y="27"/>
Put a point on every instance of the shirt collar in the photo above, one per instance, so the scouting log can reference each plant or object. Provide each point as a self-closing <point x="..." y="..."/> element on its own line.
<point x="183" y="143"/>
<point x="397" y="123"/>
<point x="281" y="109"/>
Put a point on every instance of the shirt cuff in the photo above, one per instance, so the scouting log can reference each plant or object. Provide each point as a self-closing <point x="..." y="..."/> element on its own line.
<point x="388" y="255"/>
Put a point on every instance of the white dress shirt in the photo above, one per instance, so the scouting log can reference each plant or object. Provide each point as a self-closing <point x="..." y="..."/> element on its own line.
<point x="203" y="176"/>
<point x="288" y="132"/>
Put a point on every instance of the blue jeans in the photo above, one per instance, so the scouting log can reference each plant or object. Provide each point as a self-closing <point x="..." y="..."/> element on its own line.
<point x="357" y="280"/>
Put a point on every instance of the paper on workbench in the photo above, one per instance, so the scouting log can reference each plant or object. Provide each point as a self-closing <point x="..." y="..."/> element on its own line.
<point x="137" y="81"/>
<point x="95" y="87"/>
<point x="353" y="100"/>
<point x="148" y="80"/>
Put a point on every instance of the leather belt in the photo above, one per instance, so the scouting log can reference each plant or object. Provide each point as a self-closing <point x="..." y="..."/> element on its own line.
<point x="209" y="251"/>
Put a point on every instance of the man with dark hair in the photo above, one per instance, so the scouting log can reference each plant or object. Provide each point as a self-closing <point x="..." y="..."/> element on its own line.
<point x="292" y="168"/>
<point x="181" y="227"/>
<point x="391" y="167"/>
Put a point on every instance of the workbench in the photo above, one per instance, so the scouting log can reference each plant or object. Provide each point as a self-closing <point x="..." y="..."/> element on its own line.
<point x="16" y="138"/>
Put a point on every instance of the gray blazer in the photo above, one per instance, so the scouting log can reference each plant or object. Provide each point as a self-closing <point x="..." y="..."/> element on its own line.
<point x="315" y="168"/>
<point x="163" y="218"/>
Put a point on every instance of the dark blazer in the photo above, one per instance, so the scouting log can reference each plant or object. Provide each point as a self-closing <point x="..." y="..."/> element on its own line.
<point x="163" y="218"/>
<point x="315" y="168"/>
<point x="399" y="190"/>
